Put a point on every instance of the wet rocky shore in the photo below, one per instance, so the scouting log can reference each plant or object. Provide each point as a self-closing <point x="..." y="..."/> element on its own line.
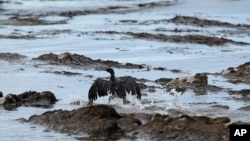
<point x="52" y="52"/>
<point x="103" y="121"/>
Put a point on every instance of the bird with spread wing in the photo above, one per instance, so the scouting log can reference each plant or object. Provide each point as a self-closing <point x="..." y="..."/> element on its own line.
<point x="117" y="88"/>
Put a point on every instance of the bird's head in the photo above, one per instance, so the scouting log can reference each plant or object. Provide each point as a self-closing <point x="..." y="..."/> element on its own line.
<point x="111" y="71"/>
<point x="1" y="94"/>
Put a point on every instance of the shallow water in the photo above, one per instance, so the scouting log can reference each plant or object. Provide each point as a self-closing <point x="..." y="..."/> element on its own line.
<point x="190" y="58"/>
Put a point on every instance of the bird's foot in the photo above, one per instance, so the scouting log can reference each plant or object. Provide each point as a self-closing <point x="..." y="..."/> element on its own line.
<point x="125" y="101"/>
<point x="111" y="97"/>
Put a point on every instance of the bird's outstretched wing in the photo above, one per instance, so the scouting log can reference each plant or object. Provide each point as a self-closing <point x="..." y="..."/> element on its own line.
<point x="99" y="88"/>
<point x="131" y="86"/>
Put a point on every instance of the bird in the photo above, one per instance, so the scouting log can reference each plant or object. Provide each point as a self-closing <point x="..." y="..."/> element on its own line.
<point x="113" y="86"/>
<point x="1" y="94"/>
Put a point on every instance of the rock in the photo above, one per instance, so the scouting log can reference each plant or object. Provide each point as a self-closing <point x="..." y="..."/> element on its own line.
<point x="197" y="39"/>
<point x="155" y="4"/>
<point x="238" y="74"/>
<point x="29" y="98"/>
<point x="129" y="123"/>
<point x="188" y="20"/>
<point x="76" y="60"/>
<point x="220" y="106"/>
<point x="200" y="83"/>
<point x="33" y="98"/>
<point x="185" y="127"/>
<point x="66" y="73"/>
<point x="245" y="108"/>
<point x="163" y="81"/>
<point x="97" y="121"/>
<point x="11" y="56"/>
<point x="197" y="83"/>
<point x="103" y="122"/>
<point x="160" y="68"/>
<point x="244" y="94"/>
<point x="12" y="101"/>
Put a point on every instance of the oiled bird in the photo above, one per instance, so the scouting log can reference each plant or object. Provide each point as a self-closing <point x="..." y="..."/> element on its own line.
<point x="117" y="88"/>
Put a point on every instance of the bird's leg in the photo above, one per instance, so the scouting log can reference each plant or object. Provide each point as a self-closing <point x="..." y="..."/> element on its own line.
<point x="111" y="97"/>
<point x="90" y="103"/>
<point x="112" y="91"/>
<point x="125" y="101"/>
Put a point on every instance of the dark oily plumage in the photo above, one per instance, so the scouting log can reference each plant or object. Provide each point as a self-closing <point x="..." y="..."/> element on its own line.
<point x="1" y="94"/>
<point x="131" y="86"/>
<point x="117" y="88"/>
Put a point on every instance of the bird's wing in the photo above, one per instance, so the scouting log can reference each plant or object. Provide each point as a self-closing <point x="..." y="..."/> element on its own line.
<point x="131" y="86"/>
<point x="99" y="88"/>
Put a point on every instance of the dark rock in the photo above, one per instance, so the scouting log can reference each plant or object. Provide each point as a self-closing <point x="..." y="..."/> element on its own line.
<point x="97" y="121"/>
<point x="202" y="103"/>
<point x="129" y="123"/>
<point x="33" y="98"/>
<point x="102" y="121"/>
<point x="163" y="81"/>
<point x="198" y="39"/>
<point x="238" y="74"/>
<point x="11" y="56"/>
<point x="220" y="106"/>
<point x="47" y="57"/>
<point x="187" y="20"/>
<point x="184" y="128"/>
<point x="213" y="88"/>
<point x="130" y="65"/>
<point x="200" y="83"/>
<point x="245" y="108"/>
<point x="67" y="73"/>
<point x="244" y="93"/>
<point x="12" y="101"/>
<point x="29" y="98"/>
<point x="18" y="20"/>
<point x="175" y="70"/>
<point x="75" y="60"/>
<point x="13" y="36"/>
<point x="128" y="21"/>
<point x="160" y="68"/>
<point x="155" y="4"/>
<point x="109" y="9"/>
<point x="197" y="83"/>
